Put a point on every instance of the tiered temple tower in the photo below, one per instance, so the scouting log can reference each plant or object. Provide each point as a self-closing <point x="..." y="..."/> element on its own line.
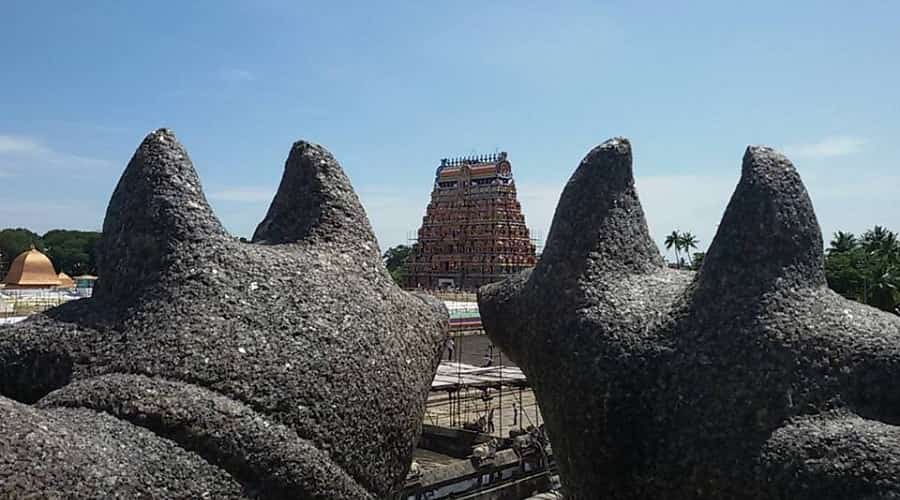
<point x="473" y="232"/>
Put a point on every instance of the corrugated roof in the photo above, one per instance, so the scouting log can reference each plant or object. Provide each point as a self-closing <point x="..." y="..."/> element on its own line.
<point x="483" y="170"/>
<point x="452" y="375"/>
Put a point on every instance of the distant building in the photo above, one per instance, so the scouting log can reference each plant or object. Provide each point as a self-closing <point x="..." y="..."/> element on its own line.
<point x="85" y="281"/>
<point x="84" y="285"/>
<point x="473" y="231"/>
<point x="31" y="270"/>
<point x="7" y="308"/>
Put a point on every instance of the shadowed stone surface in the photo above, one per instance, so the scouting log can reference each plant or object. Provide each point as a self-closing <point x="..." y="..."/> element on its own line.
<point x="204" y="367"/>
<point x="747" y="380"/>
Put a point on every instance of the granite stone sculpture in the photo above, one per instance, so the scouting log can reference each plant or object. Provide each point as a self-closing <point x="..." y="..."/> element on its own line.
<point x="749" y="379"/>
<point x="204" y="367"/>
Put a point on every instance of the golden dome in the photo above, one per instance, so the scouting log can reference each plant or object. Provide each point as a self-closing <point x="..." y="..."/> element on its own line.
<point x="31" y="269"/>
<point x="66" y="281"/>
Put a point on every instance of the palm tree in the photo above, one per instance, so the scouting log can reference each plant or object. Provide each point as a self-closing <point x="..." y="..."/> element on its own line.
<point x="842" y="242"/>
<point x="881" y="284"/>
<point x="866" y="269"/>
<point x="881" y="268"/>
<point x="688" y="243"/>
<point x="881" y="241"/>
<point x="674" y="240"/>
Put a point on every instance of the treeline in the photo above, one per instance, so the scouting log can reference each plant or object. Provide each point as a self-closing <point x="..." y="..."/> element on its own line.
<point x="866" y="268"/>
<point x="395" y="260"/>
<point x="72" y="252"/>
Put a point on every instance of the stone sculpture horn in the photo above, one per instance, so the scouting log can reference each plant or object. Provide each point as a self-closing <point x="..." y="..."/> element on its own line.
<point x="600" y="199"/>
<point x="207" y="367"/>
<point x="156" y="206"/>
<point x="315" y="203"/>
<point x="747" y="380"/>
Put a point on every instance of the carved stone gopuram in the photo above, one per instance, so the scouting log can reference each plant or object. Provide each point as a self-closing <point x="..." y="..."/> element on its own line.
<point x="749" y="379"/>
<point x="204" y="367"/>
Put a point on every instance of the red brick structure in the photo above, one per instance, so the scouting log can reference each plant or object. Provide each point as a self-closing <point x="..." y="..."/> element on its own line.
<point x="473" y="232"/>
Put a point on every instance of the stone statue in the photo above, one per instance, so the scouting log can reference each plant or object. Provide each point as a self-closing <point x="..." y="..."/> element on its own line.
<point x="749" y="379"/>
<point x="204" y="367"/>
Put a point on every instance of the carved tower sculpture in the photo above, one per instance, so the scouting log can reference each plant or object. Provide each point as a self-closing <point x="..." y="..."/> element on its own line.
<point x="203" y="367"/>
<point x="473" y="232"/>
<point x="749" y="379"/>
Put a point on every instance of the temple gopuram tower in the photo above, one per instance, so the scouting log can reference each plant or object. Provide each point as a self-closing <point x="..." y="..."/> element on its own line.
<point x="473" y="232"/>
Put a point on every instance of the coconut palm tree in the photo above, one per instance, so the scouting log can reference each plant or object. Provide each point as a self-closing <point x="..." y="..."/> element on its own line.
<point x="880" y="241"/>
<point x="688" y="243"/>
<point x="842" y="242"/>
<point x="882" y="283"/>
<point x="866" y="269"/>
<point x="881" y="268"/>
<point x="674" y="241"/>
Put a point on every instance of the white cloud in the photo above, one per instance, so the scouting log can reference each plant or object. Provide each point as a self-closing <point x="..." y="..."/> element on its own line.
<point x="828" y="147"/>
<point x="42" y="216"/>
<point x="395" y="214"/>
<point x="29" y="156"/>
<point x="684" y="202"/>
<point x="692" y="203"/>
<point x="236" y="75"/>
<point x="538" y="205"/>
<point x="244" y="194"/>
<point x="687" y="203"/>
<point x="19" y="144"/>
<point x="696" y="203"/>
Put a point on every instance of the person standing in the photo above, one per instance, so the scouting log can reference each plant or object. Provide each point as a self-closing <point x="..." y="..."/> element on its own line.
<point x="489" y="356"/>
<point x="450" y="347"/>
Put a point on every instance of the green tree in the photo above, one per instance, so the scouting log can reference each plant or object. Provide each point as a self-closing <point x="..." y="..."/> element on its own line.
<point x="395" y="260"/>
<point x="673" y="240"/>
<point x="842" y="242"/>
<point x="866" y="269"/>
<point x="882" y="285"/>
<point x="843" y="271"/>
<point x="688" y="243"/>
<point x="879" y="240"/>
<point x="682" y="242"/>
<point x="72" y="252"/>
<point x="881" y="268"/>
<point x="697" y="260"/>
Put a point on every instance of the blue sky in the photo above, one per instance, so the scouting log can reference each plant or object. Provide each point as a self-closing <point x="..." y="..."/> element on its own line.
<point x="391" y="87"/>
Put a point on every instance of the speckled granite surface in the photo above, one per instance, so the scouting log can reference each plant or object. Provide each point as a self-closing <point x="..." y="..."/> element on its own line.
<point x="747" y="380"/>
<point x="204" y="367"/>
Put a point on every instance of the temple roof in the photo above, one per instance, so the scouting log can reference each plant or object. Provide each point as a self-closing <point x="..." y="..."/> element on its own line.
<point x="474" y="166"/>
<point x="66" y="281"/>
<point x="31" y="268"/>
